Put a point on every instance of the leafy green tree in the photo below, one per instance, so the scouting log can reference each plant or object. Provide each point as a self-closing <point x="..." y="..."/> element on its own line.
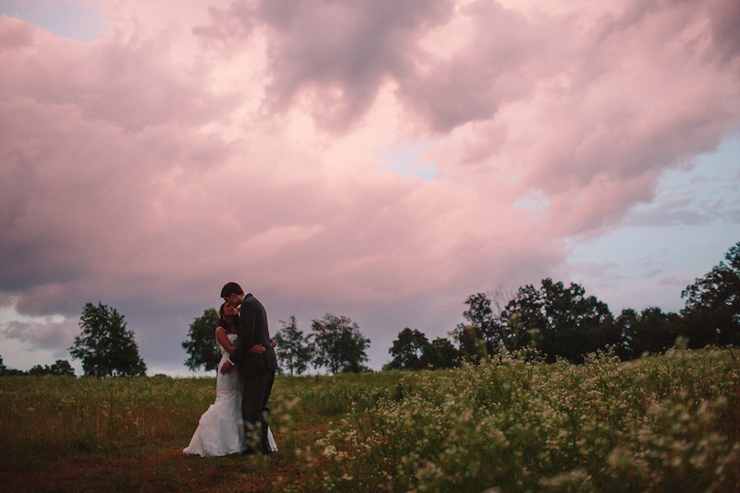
<point x="411" y="351"/>
<point x="627" y="322"/>
<point x="105" y="347"/>
<point x="472" y="345"/>
<point x="650" y="332"/>
<point x="293" y="348"/>
<point x="339" y="344"/>
<point x="38" y="370"/>
<point x="712" y="310"/>
<point x="485" y="329"/>
<point x="443" y="353"/>
<point x="61" y="367"/>
<point x="201" y="343"/>
<point x="561" y="321"/>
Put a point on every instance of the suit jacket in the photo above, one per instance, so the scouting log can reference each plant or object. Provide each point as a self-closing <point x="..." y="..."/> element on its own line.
<point x="253" y="330"/>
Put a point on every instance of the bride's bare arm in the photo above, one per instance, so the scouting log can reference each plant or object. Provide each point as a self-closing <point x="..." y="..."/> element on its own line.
<point x="223" y="339"/>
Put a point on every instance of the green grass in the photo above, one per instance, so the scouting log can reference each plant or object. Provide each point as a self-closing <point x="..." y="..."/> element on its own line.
<point x="668" y="423"/>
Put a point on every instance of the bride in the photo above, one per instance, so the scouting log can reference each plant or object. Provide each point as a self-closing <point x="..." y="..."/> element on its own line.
<point x="221" y="428"/>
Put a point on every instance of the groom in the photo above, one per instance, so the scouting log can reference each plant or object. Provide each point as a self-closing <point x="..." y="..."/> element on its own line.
<point x="255" y="359"/>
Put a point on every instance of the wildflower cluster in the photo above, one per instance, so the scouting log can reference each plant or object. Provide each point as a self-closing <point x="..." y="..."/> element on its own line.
<point x="514" y="423"/>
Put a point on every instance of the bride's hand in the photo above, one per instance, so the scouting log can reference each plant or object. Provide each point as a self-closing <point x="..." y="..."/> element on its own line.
<point x="257" y="349"/>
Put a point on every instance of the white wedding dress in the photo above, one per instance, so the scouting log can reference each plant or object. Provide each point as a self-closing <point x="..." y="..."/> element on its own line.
<point x="221" y="428"/>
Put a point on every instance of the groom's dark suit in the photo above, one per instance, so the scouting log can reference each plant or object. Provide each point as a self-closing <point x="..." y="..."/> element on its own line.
<point x="257" y="370"/>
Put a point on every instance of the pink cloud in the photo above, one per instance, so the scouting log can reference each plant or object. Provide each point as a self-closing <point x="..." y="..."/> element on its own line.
<point x="243" y="140"/>
<point x="329" y="57"/>
<point x="131" y="81"/>
<point x="15" y="33"/>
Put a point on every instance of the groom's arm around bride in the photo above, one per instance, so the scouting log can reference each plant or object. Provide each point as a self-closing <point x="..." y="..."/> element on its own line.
<point x="256" y="354"/>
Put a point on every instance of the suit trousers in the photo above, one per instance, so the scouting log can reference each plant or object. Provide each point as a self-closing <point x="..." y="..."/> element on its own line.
<point x="256" y="409"/>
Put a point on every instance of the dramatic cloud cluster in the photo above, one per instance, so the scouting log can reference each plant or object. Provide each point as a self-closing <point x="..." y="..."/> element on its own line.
<point x="193" y="143"/>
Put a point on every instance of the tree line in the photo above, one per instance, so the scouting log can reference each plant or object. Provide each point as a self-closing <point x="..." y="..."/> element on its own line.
<point x="60" y="367"/>
<point x="562" y="322"/>
<point x="558" y="321"/>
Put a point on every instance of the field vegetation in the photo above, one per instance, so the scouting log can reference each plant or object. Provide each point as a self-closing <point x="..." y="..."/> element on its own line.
<point x="511" y="423"/>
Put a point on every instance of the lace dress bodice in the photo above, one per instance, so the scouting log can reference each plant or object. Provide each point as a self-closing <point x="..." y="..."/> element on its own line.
<point x="231" y="382"/>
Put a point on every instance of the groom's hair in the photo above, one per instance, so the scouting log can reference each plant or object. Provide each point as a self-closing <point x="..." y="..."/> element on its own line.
<point x="231" y="288"/>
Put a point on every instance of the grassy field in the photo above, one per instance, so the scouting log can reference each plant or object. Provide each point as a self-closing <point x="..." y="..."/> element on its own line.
<point x="668" y="423"/>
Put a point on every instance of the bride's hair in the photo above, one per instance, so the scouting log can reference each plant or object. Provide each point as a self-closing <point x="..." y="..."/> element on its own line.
<point x="230" y="322"/>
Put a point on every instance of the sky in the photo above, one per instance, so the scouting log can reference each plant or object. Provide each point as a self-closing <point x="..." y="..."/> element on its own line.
<point x="377" y="160"/>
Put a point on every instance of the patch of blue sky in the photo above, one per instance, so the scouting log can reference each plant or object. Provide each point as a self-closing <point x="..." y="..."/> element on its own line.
<point x="426" y="172"/>
<point x="409" y="162"/>
<point x="663" y="246"/>
<point x="68" y="19"/>
<point x="706" y="192"/>
<point x="533" y="200"/>
<point x="535" y="203"/>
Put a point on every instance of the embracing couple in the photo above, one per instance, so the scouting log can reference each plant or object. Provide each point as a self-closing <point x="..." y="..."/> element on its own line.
<point x="237" y="421"/>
